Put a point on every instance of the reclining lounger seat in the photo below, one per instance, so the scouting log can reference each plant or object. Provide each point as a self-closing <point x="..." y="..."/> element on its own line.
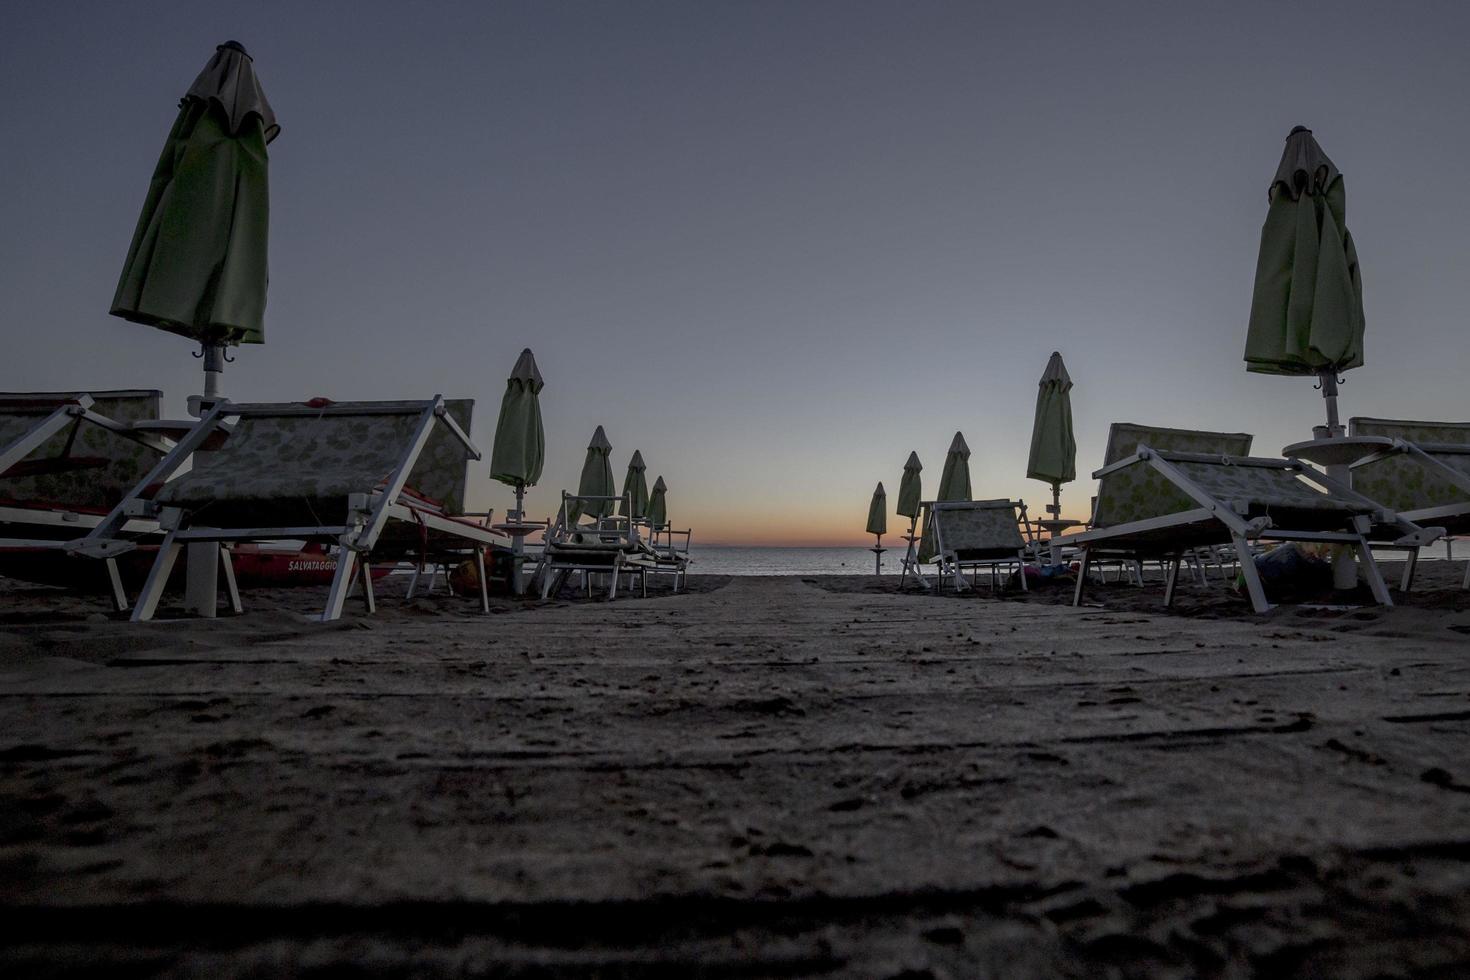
<point x="1158" y="502"/>
<point x="66" y="459"/>
<point x="334" y="472"/>
<point x="1423" y="473"/>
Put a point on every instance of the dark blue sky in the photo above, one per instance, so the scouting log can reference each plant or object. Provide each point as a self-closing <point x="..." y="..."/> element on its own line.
<point x="775" y="246"/>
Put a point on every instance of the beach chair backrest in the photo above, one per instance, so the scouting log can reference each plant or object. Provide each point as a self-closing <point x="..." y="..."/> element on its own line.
<point x="343" y="448"/>
<point x="442" y="468"/>
<point x="1403" y="483"/>
<point x="978" y="526"/>
<point x="1139" y="492"/>
<point x="108" y="465"/>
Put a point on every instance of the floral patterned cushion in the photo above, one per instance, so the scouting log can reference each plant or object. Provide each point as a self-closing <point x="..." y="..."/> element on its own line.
<point x="978" y="529"/>
<point x="1139" y="492"/>
<point x="323" y="458"/>
<point x="1402" y="483"/>
<point x="116" y="463"/>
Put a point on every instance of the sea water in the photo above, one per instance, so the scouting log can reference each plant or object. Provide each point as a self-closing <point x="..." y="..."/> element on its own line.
<point x="717" y="560"/>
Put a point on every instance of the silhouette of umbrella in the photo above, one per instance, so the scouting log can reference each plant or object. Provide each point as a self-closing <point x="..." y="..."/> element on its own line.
<point x="597" y="479"/>
<point x="1053" y="449"/>
<point x="1307" y="308"/>
<point x="519" y="452"/>
<point x="954" y="484"/>
<point x="197" y="263"/>
<point x="635" y="488"/>
<point x="658" y="508"/>
<point x="878" y="512"/>
<point x="910" y="488"/>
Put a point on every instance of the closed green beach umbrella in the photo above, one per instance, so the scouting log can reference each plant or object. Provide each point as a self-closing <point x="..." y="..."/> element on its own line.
<point x="635" y="488"/>
<point x="658" y="507"/>
<point x="910" y="488"/>
<point x="197" y="263"/>
<point x="597" y="479"/>
<point x="1307" y="308"/>
<point x="954" y="479"/>
<point x="954" y="484"/>
<point x="1053" y="456"/>
<point x="878" y="512"/>
<point x="519" y="451"/>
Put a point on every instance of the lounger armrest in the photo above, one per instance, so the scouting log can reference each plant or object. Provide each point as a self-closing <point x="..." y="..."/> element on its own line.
<point x="1127" y="461"/>
<point x="1421" y="538"/>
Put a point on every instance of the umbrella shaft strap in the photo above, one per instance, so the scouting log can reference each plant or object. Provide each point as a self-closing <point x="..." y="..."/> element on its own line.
<point x="1328" y="382"/>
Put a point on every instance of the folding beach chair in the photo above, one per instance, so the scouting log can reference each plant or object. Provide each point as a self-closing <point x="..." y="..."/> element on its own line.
<point x="67" y="458"/>
<point x="609" y="546"/>
<point x="669" y="553"/>
<point x="319" y="471"/>
<point x="976" y="533"/>
<point x="1165" y="503"/>
<point x="1422" y="471"/>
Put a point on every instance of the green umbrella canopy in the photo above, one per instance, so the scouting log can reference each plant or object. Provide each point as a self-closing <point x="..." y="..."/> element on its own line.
<point x="954" y="480"/>
<point x="597" y="479"/>
<point x="635" y="487"/>
<point x="520" y="442"/>
<point x="878" y="512"/>
<point x="1307" y="310"/>
<point x="954" y="484"/>
<point x="197" y="263"/>
<point x="910" y="488"/>
<point x="658" y="507"/>
<point x="1053" y="449"/>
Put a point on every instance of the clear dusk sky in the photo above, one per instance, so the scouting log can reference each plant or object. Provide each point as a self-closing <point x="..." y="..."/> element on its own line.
<point x="773" y="245"/>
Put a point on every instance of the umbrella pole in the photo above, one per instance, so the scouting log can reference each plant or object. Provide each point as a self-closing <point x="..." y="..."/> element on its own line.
<point x="518" y="542"/>
<point x="1344" y="565"/>
<point x="201" y="578"/>
<point x="877" y="551"/>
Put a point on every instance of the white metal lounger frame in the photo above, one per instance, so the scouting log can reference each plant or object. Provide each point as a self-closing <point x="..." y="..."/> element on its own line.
<point x="1113" y="539"/>
<point x="670" y="552"/>
<point x="616" y="550"/>
<point x="1456" y="514"/>
<point x="75" y="410"/>
<point x="368" y="511"/>
<point x="946" y="549"/>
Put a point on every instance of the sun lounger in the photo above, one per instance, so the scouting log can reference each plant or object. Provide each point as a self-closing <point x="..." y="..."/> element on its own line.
<point x="669" y="553"/>
<point x="67" y="458"/>
<point x="976" y="533"/>
<point x="1166" y="492"/>
<point x="609" y="546"/>
<point x="1422" y="472"/>
<point x="352" y="474"/>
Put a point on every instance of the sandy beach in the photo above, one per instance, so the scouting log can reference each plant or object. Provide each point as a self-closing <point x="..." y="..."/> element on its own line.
<point x="767" y="777"/>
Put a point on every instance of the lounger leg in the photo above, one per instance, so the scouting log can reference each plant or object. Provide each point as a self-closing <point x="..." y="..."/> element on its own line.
<point x="612" y="591"/>
<point x="1253" y="584"/>
<point x="1084" y="560"/>
<point x="1407" y="582"/>
<point x="1138" y="571"/>
<point x="1370" y="571"/>
<point x="1171" y="579"/>
<point x="1465" y="582"/>
<point x="341" y="581"/>
<point x="413" y="579"/>
<point x="484" y="585"/>
<point x="1021" y="571"/>
<point x="114" y="582"/>
<point x="365" y="572"/>
<point x="168" y="553"/>
<point x="232" y="588"/>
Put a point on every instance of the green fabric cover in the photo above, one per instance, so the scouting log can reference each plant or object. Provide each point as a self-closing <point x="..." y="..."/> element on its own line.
<point x="658" y="508"/>
<point x="954" y="484"/>
<point x="1405" y="483"/>
<point x="116" y="462"/>
<point x="635" y="488"/>
<point x="1139" y="492"/>
<point x="1053" y="449"/>
<point x="878" y="512"/>
<point x="910" y="488"/>
<point x="1307" y="309"/>
<point x="596" y="480"/>
<point x="519" y="451"/>
<point x="197" y="263"/>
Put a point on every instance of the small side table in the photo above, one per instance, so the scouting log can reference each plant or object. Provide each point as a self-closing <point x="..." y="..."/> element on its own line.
<point x="1337" y="451"/>
<point x="517" y="531"/>
<point x="1055" y="527"/>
